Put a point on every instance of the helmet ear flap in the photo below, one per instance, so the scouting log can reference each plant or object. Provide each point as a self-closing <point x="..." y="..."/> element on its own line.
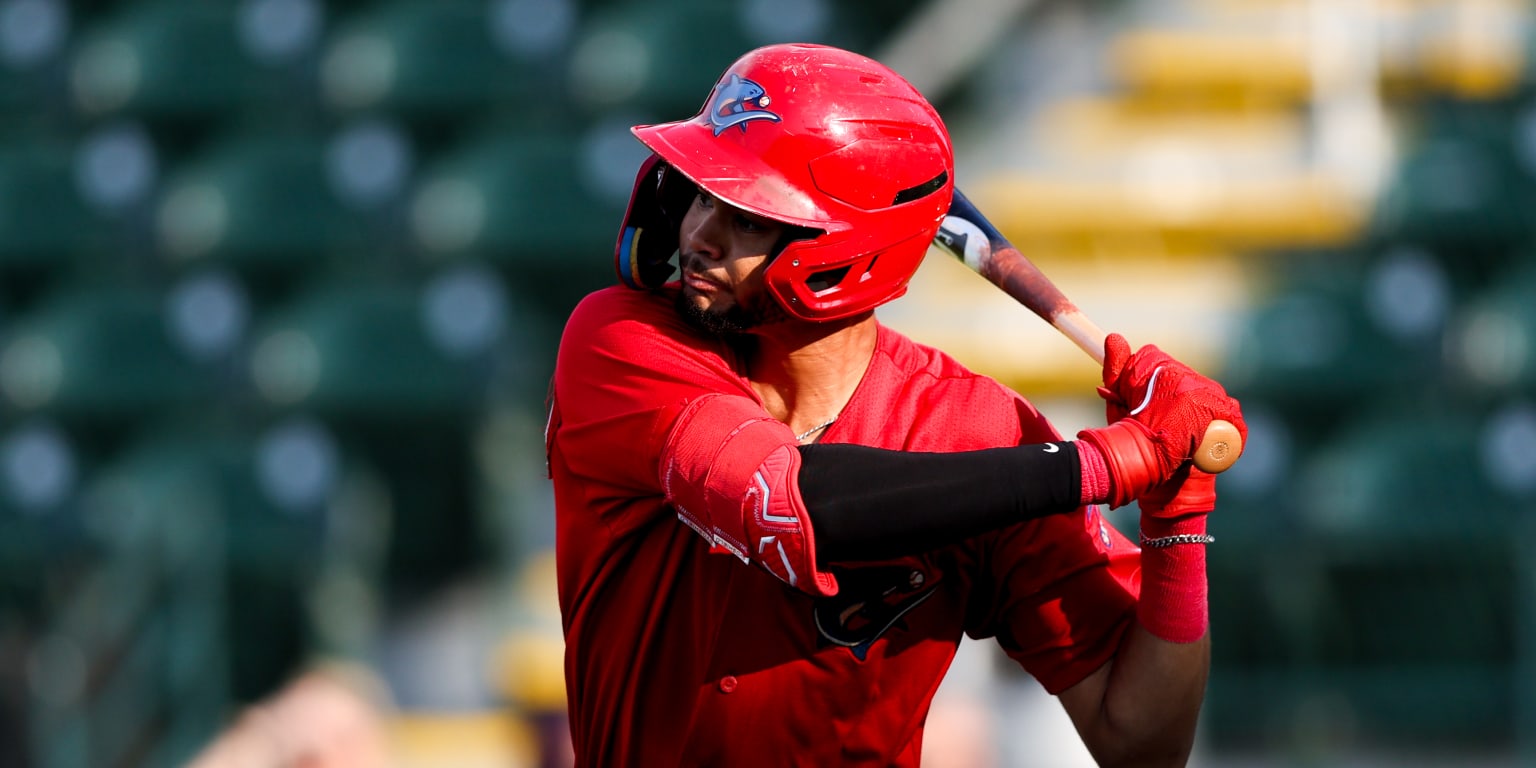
<point x="643" y="254"/>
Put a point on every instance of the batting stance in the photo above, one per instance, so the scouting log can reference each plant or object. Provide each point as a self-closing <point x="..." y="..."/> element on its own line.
<point x="777" y="516"/>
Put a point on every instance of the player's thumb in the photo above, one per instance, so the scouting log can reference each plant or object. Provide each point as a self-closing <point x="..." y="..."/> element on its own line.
<point x="1117" y="353"/>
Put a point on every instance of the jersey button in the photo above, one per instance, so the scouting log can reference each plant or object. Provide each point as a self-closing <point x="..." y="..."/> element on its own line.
<point x="728" y="684"/>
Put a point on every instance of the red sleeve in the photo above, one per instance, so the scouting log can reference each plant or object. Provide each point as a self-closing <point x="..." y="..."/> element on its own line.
<point x="626" y="368"/>
<point x="1062" y="606"/>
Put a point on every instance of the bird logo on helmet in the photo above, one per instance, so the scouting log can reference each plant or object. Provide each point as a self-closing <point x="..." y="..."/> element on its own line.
<point x="851" y="153"/>
<point x="736" y="102"/>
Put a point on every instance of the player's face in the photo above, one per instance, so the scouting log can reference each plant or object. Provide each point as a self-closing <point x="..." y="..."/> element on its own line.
<point x="722" y="251"/>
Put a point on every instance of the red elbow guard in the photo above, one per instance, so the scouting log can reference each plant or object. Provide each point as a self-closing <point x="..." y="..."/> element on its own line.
<point x="731" y="472"/>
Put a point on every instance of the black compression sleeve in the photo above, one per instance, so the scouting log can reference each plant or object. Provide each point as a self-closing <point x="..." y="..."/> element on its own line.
<point x="871" y="503"/>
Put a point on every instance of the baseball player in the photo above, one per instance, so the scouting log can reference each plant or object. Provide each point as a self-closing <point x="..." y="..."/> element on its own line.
<point x="776" y="517"/>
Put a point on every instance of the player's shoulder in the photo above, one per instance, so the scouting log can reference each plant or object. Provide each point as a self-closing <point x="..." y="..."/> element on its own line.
<point x="617" y="303"/>
<point x="618" y="315"/>
<point x="620" y="326"/>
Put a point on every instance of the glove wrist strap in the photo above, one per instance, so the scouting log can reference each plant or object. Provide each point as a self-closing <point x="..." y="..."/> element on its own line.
<point x="1129" y="456"/>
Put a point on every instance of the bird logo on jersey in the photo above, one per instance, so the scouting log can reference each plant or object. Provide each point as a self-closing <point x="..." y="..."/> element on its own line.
<point x="738" y="101"/>
<point x="868" y="603"/>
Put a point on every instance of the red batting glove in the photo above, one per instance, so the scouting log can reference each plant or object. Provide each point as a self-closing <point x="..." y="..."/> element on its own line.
<point x="1158" y="410"/>
<point x="1190" y="491"/>
<point x="1165" y="394"/>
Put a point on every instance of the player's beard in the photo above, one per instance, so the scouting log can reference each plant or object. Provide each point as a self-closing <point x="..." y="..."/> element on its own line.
<point x="745" y="314"/>
<point x="731" y="322"/>
<point x="737" y="319"/>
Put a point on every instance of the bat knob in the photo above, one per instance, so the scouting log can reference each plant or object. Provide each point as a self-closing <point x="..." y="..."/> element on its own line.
<point x="1219" y="448"/>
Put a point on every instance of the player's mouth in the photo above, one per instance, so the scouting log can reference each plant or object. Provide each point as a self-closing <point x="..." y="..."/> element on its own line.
<point x="700" y="283"/>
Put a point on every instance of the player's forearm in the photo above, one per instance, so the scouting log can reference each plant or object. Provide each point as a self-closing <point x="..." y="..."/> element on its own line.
<point x="869" y="503"/>
<point x="1150" y="702"/>
<point x="1142" y="709"/>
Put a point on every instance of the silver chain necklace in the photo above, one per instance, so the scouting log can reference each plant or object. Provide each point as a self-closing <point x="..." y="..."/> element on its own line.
<point x="800" y="438"/>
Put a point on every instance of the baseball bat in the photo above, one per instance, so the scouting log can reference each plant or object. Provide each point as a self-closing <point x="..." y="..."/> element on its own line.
<point x="968" y="236"/>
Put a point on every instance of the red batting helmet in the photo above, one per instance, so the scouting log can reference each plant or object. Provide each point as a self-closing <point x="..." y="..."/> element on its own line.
<point x="817" y="138"/>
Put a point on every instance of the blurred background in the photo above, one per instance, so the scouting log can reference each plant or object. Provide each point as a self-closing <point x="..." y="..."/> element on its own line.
<point x="281" y="283"/>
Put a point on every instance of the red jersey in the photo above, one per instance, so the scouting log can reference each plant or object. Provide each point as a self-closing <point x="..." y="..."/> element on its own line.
<point x="676" y="655"/>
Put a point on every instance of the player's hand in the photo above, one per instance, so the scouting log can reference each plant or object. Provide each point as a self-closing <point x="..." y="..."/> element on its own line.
<point x="1168" y="396"/>
<point x="1189" y="492"/>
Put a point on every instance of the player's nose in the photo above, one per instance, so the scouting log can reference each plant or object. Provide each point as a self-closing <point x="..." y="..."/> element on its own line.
<point x="704" y="234"/>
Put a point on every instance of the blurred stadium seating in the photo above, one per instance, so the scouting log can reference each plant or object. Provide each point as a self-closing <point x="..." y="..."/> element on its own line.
<point x="281" y="281"/>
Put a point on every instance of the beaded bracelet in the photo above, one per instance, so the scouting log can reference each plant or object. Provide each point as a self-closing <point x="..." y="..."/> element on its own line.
<point x="1183" y="538"/>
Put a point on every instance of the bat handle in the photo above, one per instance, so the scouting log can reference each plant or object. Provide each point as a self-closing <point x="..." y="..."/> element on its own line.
<point x="1219" y="448"/>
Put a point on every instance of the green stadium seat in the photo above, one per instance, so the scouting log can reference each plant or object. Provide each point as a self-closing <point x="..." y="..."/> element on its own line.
<point x="1321" y="345"/>
<point x="104" y="356"/>
<point x="1343" y="329"/>
<point x="234" y="554"/>
<point x="1395" y="601"/>
<point x="116" y="168"/>
<point x="1395" y="486"/>
<point x="215" y="483"/>
<point x="544" y="207"/>
<point x="180" y="60"/>
<point x="373" y="348"/>
<point x="1493" y="344"/>
<point x="1303" y="712"/>
<point x="34" y="36"/>
<point x="44" y="219"/>
<point x="630" y="56"/>
<point x="257" y="511"/>
<point x="873" y="20"/>
<point x="1464" y="185"/>
<point x="1258" y="590"/>
<point x="73" y="205"/>
<point x="446" y="59"/>
<point x="1261" y="595"/>
<point x="1507" y="448"/>
<point x="1407" y="472"/>
<point x="145" y="622"/>
<point x="401" y="372"/>
<point x="262" y="204"/>
<point x="45" y="539"/>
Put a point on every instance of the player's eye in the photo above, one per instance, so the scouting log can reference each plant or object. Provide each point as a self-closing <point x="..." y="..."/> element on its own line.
<point x="704" y="201"/>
